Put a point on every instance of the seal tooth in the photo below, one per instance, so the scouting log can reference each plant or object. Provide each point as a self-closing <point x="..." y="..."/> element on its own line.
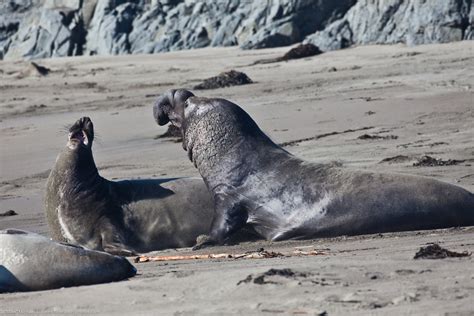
<point x="85" y="138"/>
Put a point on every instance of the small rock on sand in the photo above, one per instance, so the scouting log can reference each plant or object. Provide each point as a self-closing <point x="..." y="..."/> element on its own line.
<point x="9" y="213"/>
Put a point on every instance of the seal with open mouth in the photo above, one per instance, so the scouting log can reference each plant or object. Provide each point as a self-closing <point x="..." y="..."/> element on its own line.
<point x="120" y="217"/>
<point x="254" y="181"/>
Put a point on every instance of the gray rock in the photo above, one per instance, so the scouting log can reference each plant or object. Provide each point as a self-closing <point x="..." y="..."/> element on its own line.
<point x="393" y="21"/>
<point x="286" y="22"/>
<point x="49" y="28"/>
<point x="469" y="33"/>
<point x="12" y="13"/>
<point x="110" y="28"/>
<point x="46" y="38"/>
<point x="34" y="29"/>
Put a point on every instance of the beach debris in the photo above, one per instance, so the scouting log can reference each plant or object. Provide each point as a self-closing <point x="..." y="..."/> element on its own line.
<point x="372" y="137"/>
<point x="9" y="213"/>
<point x="297" y="141"/>
<point x="260" y="278"/>
<point x="41" y="70"/>
<point x="408" y="54"/>
<point x="396" y="159"/>
<point x="35" y="107"/>
<point x="172" y="132"/>
<point x="366" y="99"/>
<point x="428" y="161"/>
<point x="34" y="69"/>
<point x="300" y="51"/>
<point x="259" y="254"/>
<point x="406" y="297"/>
<point x="435" y="251"/>
<point x="224" y="79"/>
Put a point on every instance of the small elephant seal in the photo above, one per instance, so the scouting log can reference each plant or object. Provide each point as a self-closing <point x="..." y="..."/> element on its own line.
<point x="254" y="181"/>
<point x="120" y="217"/>
<point x="30" y="262"/>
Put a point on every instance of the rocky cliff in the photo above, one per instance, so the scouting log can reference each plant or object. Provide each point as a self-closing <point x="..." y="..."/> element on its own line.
<point x="48" y="28"/>
<point x="399" y="21"/>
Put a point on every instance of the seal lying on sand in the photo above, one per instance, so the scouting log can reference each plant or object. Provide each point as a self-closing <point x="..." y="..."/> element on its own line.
<point x="123" y="217"/>
<point x="30" y="262"/>
<point x="255" y="181"/>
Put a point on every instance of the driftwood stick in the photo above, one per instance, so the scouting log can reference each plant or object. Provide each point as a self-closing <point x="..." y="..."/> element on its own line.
<point x="261" y="254"/>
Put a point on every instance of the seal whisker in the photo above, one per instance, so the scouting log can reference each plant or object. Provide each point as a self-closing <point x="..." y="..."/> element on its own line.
<point x="64" y="129"/>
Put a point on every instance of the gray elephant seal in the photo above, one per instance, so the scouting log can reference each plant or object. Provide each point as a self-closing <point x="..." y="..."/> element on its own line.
<point x="30" y="262"/>
<point x="123" y="217"/>
<point x="256" y="182"/>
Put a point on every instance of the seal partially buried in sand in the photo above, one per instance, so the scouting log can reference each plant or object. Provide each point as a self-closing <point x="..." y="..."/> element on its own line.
<point x="256" y="182"/>
<point x="30" y="262"/>
<point x="123" y="217"/>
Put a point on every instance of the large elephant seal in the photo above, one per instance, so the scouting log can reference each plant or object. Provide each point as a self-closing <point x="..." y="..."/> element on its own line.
<point x="30" y="262"/>
<point x="123" y="217"/>
<point x="255" y="181"/>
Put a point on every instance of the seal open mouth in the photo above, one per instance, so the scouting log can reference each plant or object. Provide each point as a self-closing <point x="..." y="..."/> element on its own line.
<point x="82" y="132"/>
<point x="80" y="136"/>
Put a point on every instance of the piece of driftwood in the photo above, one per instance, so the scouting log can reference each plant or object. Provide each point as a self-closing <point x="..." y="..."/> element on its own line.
<point x="260" y="254"/>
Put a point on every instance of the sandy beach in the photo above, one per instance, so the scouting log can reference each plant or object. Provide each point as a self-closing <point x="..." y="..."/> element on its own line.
<point x="405" y="102"/>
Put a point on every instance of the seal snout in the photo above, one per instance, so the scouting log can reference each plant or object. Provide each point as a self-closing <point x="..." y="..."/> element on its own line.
<point x="161" y="117"/>
<point x="170" y="106"/>
<point x="162" y="108"/>
<point x="82" y="132"/>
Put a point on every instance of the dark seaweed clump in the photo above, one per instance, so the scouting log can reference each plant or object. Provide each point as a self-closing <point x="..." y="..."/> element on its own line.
<point x="224" y="79"/>
<point x="302" y="51"/>
<point x="435" y="251"/>
<point x="428" y="161"/>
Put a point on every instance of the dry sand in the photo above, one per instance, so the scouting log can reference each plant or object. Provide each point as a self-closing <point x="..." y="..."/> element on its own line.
<point x="422" y="95"/>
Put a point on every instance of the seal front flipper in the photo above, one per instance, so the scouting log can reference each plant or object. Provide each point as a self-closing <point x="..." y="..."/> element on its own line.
<point x="203" y="241"/>
<point x="230" y="216"/>
<point x="113" y="243"/>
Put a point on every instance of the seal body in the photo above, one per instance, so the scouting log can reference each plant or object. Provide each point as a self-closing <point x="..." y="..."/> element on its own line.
<point x="256" y="182"/>
<point x="122" y="217"/>
<point x="30" y="262"/>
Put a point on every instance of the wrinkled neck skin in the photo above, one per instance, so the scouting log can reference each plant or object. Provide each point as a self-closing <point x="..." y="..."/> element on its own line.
<point x="77" y="182"/>
<point x="73" y="183"/>
<point x="77" y="168"/>
<point x="223" y="151"/>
